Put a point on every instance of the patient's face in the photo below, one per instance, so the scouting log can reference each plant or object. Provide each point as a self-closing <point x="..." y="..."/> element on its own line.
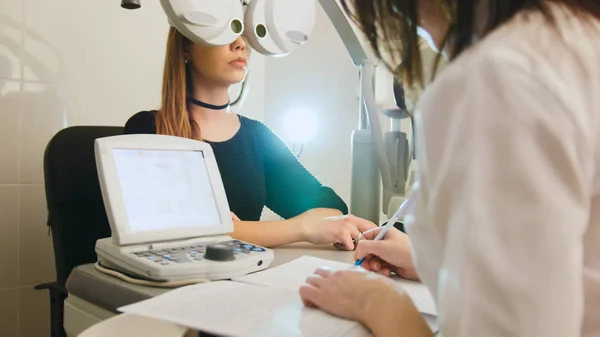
<point x="222" y="65"/>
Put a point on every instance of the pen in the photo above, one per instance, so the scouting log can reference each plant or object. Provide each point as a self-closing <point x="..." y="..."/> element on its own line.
<point x="400" y="213"/>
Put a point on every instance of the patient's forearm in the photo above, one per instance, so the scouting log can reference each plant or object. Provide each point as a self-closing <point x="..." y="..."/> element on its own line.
<point x="268" y="233"/>
<point x="280" y="232"/>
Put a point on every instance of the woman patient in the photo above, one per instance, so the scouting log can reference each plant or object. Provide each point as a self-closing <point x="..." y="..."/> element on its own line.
<point x="256" y="166"/>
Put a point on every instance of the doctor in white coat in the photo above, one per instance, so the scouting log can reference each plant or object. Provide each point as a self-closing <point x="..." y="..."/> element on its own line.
<point x="506" y="231"/>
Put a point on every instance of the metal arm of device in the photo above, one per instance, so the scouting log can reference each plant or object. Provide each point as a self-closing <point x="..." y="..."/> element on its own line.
<point x="391" y="149"/>
<point x="278" y="28"/>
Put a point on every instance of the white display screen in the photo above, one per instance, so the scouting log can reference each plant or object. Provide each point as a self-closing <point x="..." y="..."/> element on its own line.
<point x="165" y="189"/>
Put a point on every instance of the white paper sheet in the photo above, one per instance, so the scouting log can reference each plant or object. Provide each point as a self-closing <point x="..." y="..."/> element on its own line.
<point x="265" y="304"/>
<point x="293" y="274"/>
<point x="238" y="309"/>
<point x="432" y="322"/>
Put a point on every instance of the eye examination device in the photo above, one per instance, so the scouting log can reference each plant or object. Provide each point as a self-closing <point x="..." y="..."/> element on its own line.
<point x="168" y="212"/>
<point x="271" y="27"/>
<point x="381" y="161"/>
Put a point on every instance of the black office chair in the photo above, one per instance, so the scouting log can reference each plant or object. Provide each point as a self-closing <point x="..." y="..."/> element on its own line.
<point x="76" y="213"/>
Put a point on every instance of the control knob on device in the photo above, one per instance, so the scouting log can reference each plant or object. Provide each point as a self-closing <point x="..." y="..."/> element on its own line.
<point x="219" y="252"/>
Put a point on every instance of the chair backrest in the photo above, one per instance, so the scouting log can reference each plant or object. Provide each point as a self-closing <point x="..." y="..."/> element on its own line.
<point x="76" y="212"/>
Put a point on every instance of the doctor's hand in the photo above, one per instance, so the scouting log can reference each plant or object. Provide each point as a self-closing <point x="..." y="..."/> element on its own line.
<point x="350" y="294"/>
<point x="373" y="300"/>
<point x="339" y="231"/>
<point x="390" y="255"/>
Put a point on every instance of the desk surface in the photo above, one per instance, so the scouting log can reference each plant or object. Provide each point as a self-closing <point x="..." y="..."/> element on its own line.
<point x="111" y="293"/>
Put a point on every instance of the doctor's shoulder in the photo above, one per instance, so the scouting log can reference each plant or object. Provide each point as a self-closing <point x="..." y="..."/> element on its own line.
<point x="528" y="50"/>
<point x="143" y="122"/>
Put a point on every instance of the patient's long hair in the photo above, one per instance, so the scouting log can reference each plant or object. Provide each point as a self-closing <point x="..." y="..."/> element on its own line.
<point x="174" y="118"/>
<point x="391" y="26"/>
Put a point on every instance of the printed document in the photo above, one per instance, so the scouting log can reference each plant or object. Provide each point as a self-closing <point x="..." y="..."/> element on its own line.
<point x="265" y="303"/>
<point x="293" y="274"/>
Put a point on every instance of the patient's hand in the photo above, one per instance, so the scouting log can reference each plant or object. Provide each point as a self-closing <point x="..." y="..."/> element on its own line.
<point x="339" y="231"/>
<point x="234" y="217"/>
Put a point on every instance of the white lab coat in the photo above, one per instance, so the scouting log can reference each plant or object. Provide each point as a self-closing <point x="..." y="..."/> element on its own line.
<point x="507" y="226"/>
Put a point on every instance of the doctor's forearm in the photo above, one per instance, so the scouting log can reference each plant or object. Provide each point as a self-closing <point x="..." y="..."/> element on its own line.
<point x="395" y="316"/>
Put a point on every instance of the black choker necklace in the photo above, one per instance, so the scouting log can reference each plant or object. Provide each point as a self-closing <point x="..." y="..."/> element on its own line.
<point x="206" y="105"/>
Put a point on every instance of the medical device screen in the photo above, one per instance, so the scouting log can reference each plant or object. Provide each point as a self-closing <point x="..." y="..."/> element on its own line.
<point x="165" y="189"/>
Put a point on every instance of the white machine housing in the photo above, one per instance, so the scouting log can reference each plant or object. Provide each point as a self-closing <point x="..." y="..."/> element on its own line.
<point x="278" y="28"/>
<point x="271" y="27"/>
<point x="166" y="239"/>
<point x="112" y="191"/>
<point x="206" y="21"/>
<point x="131" y="260"/>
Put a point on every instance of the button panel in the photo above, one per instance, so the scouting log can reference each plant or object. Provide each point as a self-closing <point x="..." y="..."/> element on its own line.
<point x="194" y="252"/>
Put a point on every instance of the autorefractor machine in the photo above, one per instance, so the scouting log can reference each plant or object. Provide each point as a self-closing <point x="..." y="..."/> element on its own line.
<point x="273" y="28"/>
